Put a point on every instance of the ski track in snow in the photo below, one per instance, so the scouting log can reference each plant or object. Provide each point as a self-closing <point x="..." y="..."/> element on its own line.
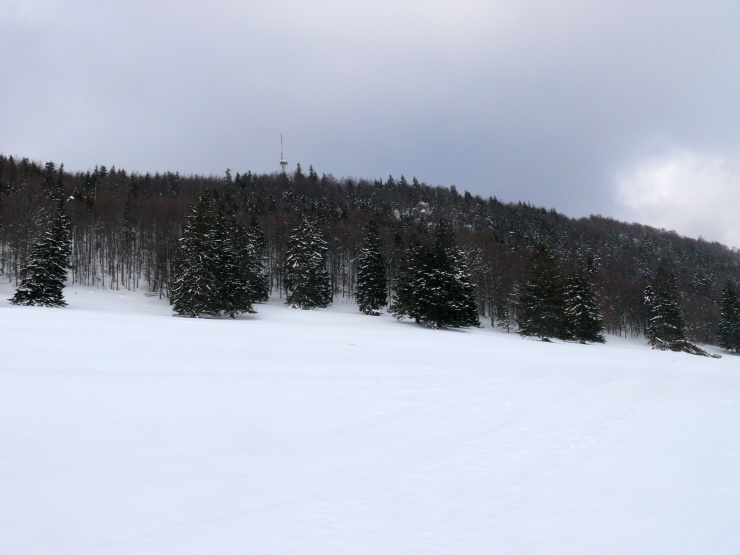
<point x="125" y="430"/>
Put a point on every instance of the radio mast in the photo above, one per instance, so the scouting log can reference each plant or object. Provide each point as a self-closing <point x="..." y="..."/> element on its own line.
<point x="283" y="161"/>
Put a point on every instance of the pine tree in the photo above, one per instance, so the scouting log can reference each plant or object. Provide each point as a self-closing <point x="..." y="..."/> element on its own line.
<point x="541" y="304"/>
<point x="372" y="274"/>
<point x="434" y="285"/>
<point x="729" y="326"/>
<point x="306" y="279"/>
<point x="582" y="313"/>
<point x="195" y="290"/>
<point x="42" y="282"/>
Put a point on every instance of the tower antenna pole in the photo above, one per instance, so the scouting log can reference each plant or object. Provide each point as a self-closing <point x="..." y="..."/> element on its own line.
<point x="283" y="161"/>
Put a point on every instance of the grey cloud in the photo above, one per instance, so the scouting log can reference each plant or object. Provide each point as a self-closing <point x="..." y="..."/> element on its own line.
<point x="540" y="101"/>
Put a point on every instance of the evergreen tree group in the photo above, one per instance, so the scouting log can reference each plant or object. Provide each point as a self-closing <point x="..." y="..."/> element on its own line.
<point x="218" y="269"/>
<point x="729" y="326"/>
<point x="665" y="329"/>
<point x="434" y="286"/>
<point x="42" y="280"/>
<point x="127" y="229"/>
<point x="307" y="281"/>
<point x="549" y="306"/>
<point x="372" y="274"/>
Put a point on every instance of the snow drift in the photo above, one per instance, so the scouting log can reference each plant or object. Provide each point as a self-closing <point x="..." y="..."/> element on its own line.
<point x="125" y="430"/>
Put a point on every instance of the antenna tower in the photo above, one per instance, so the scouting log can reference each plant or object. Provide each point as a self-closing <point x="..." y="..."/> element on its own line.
<point x="283" y="161"/>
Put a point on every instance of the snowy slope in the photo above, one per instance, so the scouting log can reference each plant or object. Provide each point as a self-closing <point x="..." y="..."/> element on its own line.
<point x="125" y="430"/>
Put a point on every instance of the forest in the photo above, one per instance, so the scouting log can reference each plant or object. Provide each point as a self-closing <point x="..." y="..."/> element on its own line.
<point x="126" y="227"/>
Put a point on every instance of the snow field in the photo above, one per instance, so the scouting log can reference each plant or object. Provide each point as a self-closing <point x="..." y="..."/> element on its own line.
<point x="125" y="430"/>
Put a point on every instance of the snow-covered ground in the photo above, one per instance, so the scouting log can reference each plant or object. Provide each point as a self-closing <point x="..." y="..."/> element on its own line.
<point x="124" y="430"/>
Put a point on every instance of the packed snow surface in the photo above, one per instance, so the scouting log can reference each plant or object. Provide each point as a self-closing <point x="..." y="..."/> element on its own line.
<point x="124" y="430"/>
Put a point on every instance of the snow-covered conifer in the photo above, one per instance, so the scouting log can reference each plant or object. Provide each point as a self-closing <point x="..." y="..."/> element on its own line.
<point x="729" y="326"/>
<point x="257" y="249"/>
<point x="541" y="303"/>
<point x="372" y="274"/>
<point x="665" y="327"/>
<point x="434" y="286"/>
<point x="234" y="268"/>
<point x="217" y="269"/>
<point x="584" y="320"/>
<point x="195" y="291"/>
<point x="42" y="281"/>
<point x="306" y="278"/>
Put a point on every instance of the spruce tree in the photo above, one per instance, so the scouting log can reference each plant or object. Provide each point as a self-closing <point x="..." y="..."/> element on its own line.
<point x="42" y="281"/>
<point x="460" y="292"/>
<point x="235" y="264"/>
<point x="257" y="250"/>
<point x="729" y="326"/>
<point x="665" y="327"/>
<point x="195" y="291"/>
<point x="434" y="285"/>
<point x="505" y="309"/>
<point x="372" y="279"/>
<point x="584" y="321"/>
<point x="218" y="269"/>
<point x="306" y="279"/>
<point x="410" y="280"/>
<point x="541" y="303"/>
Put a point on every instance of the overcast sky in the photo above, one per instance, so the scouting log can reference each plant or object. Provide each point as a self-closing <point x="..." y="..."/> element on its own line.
<point x="629" y="109"/>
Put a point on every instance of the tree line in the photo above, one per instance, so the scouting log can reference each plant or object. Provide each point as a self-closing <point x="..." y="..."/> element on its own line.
<point x="127" y="229"/>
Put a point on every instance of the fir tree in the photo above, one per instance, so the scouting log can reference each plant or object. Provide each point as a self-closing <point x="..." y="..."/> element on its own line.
<point x="434" y="285"/>
<point x="195" y="290"/>
<point x="42" y="281"/>
<point x="306" y="279"/>
<point x="541" y="304"/>
<point x="372" y="280"/>
<point x="582" y="313"/>
<point x="729" y="326"/>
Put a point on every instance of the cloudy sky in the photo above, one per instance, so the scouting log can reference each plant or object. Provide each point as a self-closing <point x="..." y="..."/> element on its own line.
<point x="625" y="108"/>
